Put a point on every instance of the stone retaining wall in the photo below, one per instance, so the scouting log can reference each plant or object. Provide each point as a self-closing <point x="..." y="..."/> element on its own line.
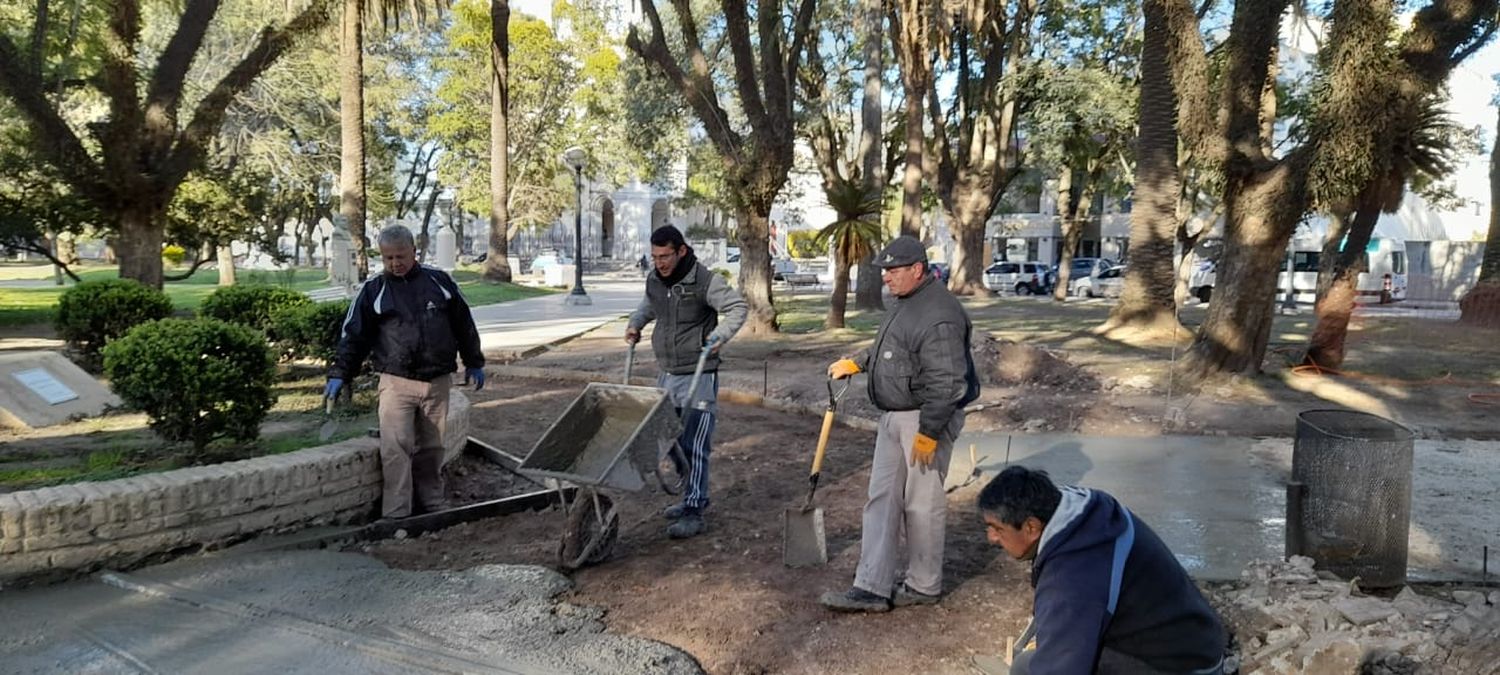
<point x="55" y="531"/>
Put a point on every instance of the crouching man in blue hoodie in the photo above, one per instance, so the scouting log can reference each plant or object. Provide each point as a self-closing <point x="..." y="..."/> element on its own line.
<point x="1109" y="595"/>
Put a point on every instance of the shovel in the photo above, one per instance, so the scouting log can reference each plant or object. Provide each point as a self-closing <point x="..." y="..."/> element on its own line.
<point x="803" y="541"/>
<point x="330" y="425"/>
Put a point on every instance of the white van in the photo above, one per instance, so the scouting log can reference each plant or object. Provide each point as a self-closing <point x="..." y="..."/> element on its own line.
<point x="1383" y="282"/>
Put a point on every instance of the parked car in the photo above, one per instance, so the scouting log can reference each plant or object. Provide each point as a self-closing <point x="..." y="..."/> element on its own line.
<point x="1084" y="273"/>
<point x="1110" y="283"/>
<point x="940" y="272"/>
<point x="1022" y="277"/>
<point x="547" y="259"/>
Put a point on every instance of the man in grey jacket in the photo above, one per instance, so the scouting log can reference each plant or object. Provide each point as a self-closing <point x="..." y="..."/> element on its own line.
<point x="693" y="308"/>
<point x="922" y="375"/>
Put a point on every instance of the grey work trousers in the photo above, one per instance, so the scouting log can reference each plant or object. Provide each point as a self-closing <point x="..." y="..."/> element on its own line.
<point x="905" y="516"/>
<point x="413" y="417"/>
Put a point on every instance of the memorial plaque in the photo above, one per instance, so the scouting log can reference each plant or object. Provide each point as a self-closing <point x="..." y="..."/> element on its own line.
<point x="44" y="385"/>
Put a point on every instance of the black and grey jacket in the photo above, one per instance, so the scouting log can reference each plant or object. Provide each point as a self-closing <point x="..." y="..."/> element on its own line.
<point x="687" y="314"/>
<point x="411" y="327"/>
<point x="921" y="359"/>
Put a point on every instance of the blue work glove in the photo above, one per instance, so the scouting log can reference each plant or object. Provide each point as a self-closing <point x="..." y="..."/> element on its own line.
<point x="475" y="375"/>
<point x="334" y="385"/>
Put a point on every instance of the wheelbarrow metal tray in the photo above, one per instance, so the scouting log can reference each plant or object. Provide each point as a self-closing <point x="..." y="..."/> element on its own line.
<point x="610" y="436"/>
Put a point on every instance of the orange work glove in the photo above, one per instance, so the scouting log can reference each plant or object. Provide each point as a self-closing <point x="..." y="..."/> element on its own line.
<point x="843" y="368"/>
<point x="922" y="450"/>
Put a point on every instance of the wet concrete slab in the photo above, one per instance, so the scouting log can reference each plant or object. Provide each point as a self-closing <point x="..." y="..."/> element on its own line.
<point x="1219" y="502"/>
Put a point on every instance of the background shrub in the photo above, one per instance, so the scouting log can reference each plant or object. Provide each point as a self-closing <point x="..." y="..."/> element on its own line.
<point x="92" y="313"/>
<point x="196" y="379"/>
<point x="309" y="331"/>
<point x="250" y="305"/>
<point x="173" y="254"/>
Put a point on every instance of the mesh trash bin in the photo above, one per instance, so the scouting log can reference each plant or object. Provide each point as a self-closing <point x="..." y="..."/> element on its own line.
<point x="1355" y="510"/>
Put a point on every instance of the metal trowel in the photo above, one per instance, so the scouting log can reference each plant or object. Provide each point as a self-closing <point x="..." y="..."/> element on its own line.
<point x="330" y="425"/>
<point x="804" y="542"/>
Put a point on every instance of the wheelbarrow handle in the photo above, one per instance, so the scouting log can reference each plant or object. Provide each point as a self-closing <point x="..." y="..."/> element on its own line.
<point x="708" y="347"/>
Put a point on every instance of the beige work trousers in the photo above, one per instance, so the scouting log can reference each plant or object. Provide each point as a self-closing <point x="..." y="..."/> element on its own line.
<point x="413" y="416"/>
<point x="907" y="510"/>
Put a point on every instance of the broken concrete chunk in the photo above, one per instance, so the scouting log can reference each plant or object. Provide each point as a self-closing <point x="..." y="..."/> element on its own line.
<point x="1281" y="639"/>
<point x="1363" y="611"/>
<point x="1338" y="658"/>
<point x="1467" y="597"/>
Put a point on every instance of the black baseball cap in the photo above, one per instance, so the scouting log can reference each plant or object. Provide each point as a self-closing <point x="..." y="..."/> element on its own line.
<point x="901" y="252"/>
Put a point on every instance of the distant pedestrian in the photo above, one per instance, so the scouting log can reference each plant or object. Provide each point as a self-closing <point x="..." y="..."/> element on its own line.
<point x="1109" y="595"/>
<point x="692" y="308"/>
<point x="413" y="322"/>
<point x="921" y="375"/>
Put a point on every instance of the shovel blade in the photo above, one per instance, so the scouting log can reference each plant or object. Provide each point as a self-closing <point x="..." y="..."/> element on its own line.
<point x="328" y="429"/>
<point x="803" y="542"/>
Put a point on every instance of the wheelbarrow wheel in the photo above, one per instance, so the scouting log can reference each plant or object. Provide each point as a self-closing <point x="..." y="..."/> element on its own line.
<point x="672" y="470"/>
<point x="589" y="536"/>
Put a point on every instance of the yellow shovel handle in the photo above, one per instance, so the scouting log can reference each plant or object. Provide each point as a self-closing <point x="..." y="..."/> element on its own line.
<point x="822" y="442"/>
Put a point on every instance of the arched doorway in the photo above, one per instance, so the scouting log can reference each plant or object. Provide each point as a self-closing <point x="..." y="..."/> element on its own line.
<point x="607" y="228"/>
<point x="661" y="213"/>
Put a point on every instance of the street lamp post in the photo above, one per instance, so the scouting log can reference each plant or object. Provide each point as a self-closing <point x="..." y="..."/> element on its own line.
<point x="574" y="158"/>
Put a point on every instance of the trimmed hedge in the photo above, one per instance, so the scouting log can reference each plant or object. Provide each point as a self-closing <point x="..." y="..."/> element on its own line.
<point x="309" y="331"/>
<point x="196" y="379"/>
<point x="92" y="313"/>
<point x="251" y="305"/>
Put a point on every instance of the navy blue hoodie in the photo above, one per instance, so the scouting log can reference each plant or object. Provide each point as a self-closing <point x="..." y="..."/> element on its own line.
<point x="1103" y="579"/>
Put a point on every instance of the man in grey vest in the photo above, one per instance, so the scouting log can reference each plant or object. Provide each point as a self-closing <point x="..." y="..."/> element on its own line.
<point x="922" y="375"/>
<point x="692" y="308"/>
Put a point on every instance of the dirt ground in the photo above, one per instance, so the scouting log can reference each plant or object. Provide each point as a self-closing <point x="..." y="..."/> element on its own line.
<point x="725" y="597"/>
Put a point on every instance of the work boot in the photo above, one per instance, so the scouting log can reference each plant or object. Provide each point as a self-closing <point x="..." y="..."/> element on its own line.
<point x="987" y="664"/>
<point x="906" y="597"/>
<point x="675" y="511"/>
<point x="855" y="600"/>
<point x="690" y="524"/>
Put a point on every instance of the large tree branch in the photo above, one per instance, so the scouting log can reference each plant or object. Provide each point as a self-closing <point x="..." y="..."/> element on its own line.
<point x="56" y="140"/>
<point x="117" y="80"/>
<point x="1198" y="115"/>
<point x="801" y="29"/>
<point x="1443" y="34"/>
<point x="165" y="92"/>
<point x="209" y="114"/>
<point x="698" y="88"/>
<point x="737" y="28"/>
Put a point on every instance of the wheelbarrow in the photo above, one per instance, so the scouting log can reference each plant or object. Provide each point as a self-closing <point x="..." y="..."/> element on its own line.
<point x="612" y="438"/>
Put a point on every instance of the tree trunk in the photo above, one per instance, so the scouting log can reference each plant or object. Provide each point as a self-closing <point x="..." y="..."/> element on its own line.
<point x="1072" y="232"/>
<point x="839" y="301"/>
<point x="352" y="131"/>
<point x="1260" y="215"/>
<point x="497" y="261"/>
<point x="1148" y="300"/>
<point x="755" y="269"/>
<point x="968" y="255"/>
<point x="1337" y="289"/>
<point x="915" y="61"/>
<point x="867" y="290"/>
<point x="226" y="265"/>
<point x="1481" y="305"/>
<point x="138" y="245"/>
<point x="911" y="177"/>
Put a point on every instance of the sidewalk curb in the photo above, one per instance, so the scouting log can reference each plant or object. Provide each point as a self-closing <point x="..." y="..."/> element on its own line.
<point x="736" y="396"/>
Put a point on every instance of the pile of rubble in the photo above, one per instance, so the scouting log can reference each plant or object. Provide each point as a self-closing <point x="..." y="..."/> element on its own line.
<point x="1288" y="618"/>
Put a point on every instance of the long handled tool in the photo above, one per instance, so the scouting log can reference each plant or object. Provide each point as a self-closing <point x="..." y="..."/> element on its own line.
<point x="804" y="542"/>
<point x="331" y="425"/>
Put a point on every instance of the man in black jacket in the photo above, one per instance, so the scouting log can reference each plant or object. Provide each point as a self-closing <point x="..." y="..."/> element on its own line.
<point x="922" y="375"/>
<point x="692" y="308"/>
<point x="1110" y="597"/>
<point x="412" y="321"/>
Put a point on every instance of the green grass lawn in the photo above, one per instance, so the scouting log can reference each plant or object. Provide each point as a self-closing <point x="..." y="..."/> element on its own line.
<point x="35" y="304"/>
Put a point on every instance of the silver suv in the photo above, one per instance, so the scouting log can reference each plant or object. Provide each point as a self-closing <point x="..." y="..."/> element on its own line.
<point x="1022" y="277"/>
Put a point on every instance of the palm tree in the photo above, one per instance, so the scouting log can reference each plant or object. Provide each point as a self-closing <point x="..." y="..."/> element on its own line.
<point x="1423" y="146"/>
<point x="496" y="263"/>
<point x="854" y="236"/>
<point x="352" y="110"/>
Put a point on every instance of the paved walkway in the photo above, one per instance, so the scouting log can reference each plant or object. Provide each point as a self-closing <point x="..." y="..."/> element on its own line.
<point x="520" y="326"/>
<point x="1221" y="502"/>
